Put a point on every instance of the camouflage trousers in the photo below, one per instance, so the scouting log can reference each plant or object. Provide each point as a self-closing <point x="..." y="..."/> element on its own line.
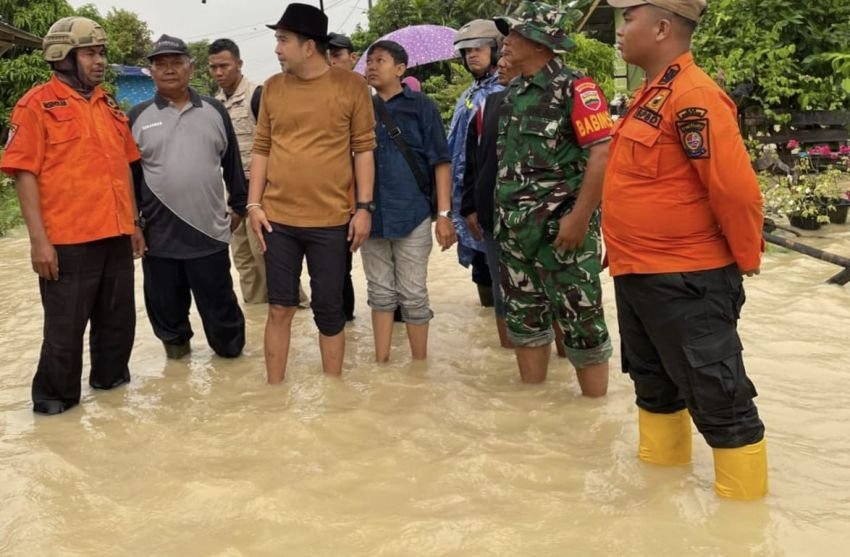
<point x="556" y="285"/>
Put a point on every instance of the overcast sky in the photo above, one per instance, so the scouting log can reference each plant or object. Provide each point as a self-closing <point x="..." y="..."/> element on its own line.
<point x="241" y="20"/>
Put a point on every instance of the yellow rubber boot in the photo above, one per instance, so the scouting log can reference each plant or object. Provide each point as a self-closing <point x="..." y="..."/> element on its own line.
<point x="741" y="473"/>
<point x="665" y="439"/>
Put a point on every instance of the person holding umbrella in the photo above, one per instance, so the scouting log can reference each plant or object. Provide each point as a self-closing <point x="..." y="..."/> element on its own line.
<point x="478" y="43"/>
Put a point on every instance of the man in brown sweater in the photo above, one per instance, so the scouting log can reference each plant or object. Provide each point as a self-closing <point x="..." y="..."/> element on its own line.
<point x="311" y="119"/>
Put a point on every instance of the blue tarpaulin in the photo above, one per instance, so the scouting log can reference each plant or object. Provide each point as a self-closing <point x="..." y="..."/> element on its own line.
<point x="134" y="84"/>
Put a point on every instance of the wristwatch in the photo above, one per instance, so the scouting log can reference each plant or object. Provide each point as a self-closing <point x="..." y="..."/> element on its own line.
<point x="140" y="223"/>
<point x="448" y="214"/>
<point x="368" y="205"/>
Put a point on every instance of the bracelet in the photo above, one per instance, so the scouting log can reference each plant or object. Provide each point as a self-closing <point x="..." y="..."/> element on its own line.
<point x="250" y="206"/>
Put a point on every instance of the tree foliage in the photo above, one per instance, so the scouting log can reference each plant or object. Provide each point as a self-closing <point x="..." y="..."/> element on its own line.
<point x="129" y="38"/>
<point x="129" y="43"/>
<point x="445" y="82"/>
<point x="779" y="54"/>
<point x="201" y="81"/>
<point x="34" y="16"/>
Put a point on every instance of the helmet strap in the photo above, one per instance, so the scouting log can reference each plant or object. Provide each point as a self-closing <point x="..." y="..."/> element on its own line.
<point x="71" y="74"/>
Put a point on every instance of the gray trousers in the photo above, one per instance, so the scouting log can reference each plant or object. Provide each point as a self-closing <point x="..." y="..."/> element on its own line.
<point x="397" y="273"/>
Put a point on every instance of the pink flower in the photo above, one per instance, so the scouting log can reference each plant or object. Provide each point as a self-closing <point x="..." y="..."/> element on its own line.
<point x="844" y="150"/>
<point x="793" y="144"/>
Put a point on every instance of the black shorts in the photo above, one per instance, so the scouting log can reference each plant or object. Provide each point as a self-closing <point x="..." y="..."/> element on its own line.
<point x="325" y="249"/>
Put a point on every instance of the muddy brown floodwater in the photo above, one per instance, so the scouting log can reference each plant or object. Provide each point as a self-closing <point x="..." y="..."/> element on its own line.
<point x="452" y="457"/>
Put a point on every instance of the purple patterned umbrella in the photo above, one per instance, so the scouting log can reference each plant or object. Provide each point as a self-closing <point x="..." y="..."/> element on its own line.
<point x="424" y="44"/>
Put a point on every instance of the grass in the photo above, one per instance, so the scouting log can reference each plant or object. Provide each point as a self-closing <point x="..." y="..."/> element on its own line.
<point x="10" y="211"/>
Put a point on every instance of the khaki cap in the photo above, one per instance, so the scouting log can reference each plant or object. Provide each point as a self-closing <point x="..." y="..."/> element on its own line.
<point x="689" y="9"/>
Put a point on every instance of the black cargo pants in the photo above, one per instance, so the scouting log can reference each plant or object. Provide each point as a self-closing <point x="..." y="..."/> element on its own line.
<point x="680" y="346"/>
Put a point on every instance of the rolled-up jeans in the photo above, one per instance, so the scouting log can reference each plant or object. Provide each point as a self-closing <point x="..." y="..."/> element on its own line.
<point x="397" y="273"/>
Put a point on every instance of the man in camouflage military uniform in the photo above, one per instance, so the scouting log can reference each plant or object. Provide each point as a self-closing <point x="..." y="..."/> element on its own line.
<point x="554" y="130"/>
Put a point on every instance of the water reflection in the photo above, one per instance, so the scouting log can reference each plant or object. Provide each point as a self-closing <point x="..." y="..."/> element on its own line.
<point x="450" y="457"/>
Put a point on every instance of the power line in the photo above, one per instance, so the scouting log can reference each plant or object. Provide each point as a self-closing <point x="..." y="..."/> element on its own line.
<point x="350" y="13"/>
<point x="224" y="32"/>
<point x="249" y="29"/>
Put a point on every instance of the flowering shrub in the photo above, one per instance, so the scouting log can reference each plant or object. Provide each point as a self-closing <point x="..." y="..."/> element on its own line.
<point x="805" y="191"/>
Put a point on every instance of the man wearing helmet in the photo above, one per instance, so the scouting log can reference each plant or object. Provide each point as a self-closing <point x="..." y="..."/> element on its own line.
<point x="69" y="153"/>
<point x="478" y="43"/>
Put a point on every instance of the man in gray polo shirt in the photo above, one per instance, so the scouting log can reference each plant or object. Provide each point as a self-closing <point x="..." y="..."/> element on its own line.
<point x="187" y="142"/>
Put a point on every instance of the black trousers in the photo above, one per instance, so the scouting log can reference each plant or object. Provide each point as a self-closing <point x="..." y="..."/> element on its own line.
<point x="480" y="270"/>
<point x="170" y="285"/>
<point x="324" y="248"/>
<point x="95" y="286"/>
<point x="680" y="346"/>
<point x="348" y="287"/>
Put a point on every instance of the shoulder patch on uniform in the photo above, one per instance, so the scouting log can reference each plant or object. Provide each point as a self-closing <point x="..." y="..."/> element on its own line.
<point x="588" y="94"/>
<point x="659" y="97"/>
<point x="49" y="105"/>
<point x="648" y="116"/>
<point x="694" y="137"/>
<point x="692" y="112"/>
<point x="110" y="102"/>
<point x="12" y="129"/>
<point x="670" y="74"/>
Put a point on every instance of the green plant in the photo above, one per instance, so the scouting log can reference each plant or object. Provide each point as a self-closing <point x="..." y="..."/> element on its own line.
<point x="805" y="192"/>
<point x="778" y="54"/>
<point x="10" y="211"/>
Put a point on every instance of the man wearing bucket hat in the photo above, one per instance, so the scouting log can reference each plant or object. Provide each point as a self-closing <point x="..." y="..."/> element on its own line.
<point x="69" y="151"/>
<point x="478" y="43"/>
<point x="312" y="118"/>
<point x="683" y="221"/>
<point x="554" y="131"/>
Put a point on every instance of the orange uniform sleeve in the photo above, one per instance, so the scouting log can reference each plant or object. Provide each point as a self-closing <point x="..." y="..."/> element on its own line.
<point x="590" y="118"/>
<point x="707" y="126"/>
<point x="25" y="146"/>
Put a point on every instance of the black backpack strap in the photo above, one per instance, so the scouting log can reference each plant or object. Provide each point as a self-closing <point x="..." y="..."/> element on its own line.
<point x="255" y="102"/>
<point x="395" y="134"/>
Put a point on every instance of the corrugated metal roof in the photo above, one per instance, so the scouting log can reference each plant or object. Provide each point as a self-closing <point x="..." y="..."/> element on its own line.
<point x="15" y="37"/>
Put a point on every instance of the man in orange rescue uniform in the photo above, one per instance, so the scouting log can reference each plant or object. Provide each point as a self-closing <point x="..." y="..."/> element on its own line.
<point x="682" y="220"/>
<point x="69" y="151"/>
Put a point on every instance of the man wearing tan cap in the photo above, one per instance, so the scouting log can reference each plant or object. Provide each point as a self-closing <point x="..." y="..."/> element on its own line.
<point x="682" y="221"/>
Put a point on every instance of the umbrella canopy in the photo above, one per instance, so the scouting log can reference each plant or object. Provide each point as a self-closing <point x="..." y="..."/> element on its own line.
<point x="424" y="44"/>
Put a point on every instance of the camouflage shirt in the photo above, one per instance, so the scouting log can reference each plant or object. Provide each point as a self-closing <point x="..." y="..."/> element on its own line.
<point x="545" y="125"/>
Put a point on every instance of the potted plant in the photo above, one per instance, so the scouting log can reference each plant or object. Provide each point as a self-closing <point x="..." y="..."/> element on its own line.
<point x="807" y="197"/>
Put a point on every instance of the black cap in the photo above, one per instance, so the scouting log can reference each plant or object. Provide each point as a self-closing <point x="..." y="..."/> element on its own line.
<point x="338" y="40"/>
<point x="304" y="19"/>
<point x="167" y="44"/>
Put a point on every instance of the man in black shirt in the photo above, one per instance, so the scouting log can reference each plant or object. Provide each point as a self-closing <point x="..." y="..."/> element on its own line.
<point x="479" y="182"/>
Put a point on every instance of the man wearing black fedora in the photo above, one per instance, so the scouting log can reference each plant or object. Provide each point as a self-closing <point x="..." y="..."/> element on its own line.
<point x="312" y="117"/>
